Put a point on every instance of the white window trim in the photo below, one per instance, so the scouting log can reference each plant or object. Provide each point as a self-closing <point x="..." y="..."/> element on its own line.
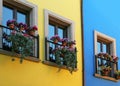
<point x="113" y="45"/>
<point x="71" y="28"/>
<point x="33" y="16"/>
<point x="33" y="13"/>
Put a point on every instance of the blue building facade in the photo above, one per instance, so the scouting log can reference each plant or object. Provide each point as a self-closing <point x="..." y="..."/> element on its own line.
<point x="101" y="27"/>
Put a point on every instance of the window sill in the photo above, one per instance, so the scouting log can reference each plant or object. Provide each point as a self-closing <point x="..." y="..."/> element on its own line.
<point x="106" y="77"/>
<point x="4" y="52"/>
<point x="55" y="65"/>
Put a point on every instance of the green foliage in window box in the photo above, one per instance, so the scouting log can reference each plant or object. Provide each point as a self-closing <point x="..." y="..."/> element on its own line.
<point x="21" y="44"/>
<point x="21" y="38"/>
<point x="117" y="74"/>
<point x="65" y="55"/>
<point x="105" y="70"/>
<point x="108" y="57"/>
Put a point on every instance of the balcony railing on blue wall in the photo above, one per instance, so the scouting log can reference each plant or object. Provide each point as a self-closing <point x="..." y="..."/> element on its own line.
<point x="6" y="45"/>
<point x="100" y="61"/>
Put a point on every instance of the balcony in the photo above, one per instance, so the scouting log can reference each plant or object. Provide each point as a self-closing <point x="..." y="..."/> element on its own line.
<point x="6" y="46"/>
<point x="60" y="56"/>
<point x="106" y="66"/>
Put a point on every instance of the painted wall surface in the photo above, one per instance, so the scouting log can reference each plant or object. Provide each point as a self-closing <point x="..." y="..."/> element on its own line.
<point x="30" y="73"/>
<point x="103" y="16"/>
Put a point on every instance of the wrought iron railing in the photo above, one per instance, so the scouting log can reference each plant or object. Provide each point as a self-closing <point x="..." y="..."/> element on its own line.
<point x="50" y="47"/>
<point x="101" y="61"/>
<point x="6" y="45"/>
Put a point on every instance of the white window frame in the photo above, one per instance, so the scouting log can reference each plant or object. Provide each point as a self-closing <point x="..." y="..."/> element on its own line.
<point x="112" y="46"/>
<point x="108" y="38"/>
<point x="33" y="15"/>
<point x="71" y="28"/>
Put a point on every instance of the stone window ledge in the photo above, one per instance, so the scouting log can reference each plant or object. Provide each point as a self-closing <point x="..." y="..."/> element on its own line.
<point x="30" y="58"/>
<point x="55" y="65"/>
<point x="106" y="77"/>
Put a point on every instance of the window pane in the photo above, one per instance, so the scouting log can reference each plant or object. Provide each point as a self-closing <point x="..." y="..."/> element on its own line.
<point x="60" y="32"/>
<point x="51" y="31"/>
<point x="7" y="15"/>
<point x="98" y="47"/>
<point x="21" y="17"/>
<point x="104" y="48"/>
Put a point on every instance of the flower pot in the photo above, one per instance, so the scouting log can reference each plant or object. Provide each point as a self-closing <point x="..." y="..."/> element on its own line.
<point x="11" y="26"/>
<point x="21" y="28"/>
<point x="71" y="46"/>
<point x="64" y="43"/>
<point x="55" y="41"/>
<point x="115" y="60"/>
<point x="104" y="73"/>
<point x="118" y="77"/>
<point x="32" y="33"/>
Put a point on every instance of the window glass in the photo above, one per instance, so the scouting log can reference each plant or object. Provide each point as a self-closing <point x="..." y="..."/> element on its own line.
<point x="60" y="32"/>
<point x="51" y="31"/>
<point x="98" y="47"/>
<point x="10" y="14"/>
<point x="21" y="17"/>
<point x="7" y="14"/>
<point x="105" y="48"/>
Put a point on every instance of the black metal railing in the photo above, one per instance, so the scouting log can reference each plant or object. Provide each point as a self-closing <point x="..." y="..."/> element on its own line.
<point x="104" y="62"/>
<point x="6" y="45"/>
<point x="50" y="47"/>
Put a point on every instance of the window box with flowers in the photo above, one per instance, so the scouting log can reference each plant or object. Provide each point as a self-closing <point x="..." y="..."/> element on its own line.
<point x="106" y="65"/>
<point x="20" y="41"/>
<point x="64" y="53"/>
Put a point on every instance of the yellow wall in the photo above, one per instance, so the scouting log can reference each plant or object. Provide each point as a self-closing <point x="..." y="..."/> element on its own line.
<point x="30" y="73"/>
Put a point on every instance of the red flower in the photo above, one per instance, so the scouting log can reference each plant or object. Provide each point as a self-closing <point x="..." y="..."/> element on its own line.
<point x="34" y="28"/>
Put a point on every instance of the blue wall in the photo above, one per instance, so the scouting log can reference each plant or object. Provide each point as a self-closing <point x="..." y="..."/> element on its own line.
<point x="103" y="16"/>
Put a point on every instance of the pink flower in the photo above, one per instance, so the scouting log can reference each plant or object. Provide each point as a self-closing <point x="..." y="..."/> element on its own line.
<point x="55" y="37"/>
<point x="64" y="40"/>
<point x="22" y="25"/>
<point x="11" y="22"/>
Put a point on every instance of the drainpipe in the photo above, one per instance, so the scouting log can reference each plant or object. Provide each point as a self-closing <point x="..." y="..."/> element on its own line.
<point x="82" y="35"/>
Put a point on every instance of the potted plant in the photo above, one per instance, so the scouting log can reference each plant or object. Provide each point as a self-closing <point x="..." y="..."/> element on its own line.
<point x="31" y="30"/>
<point x="105" y="70"/>
<point x="22" y="27"/>
<point x="11" y="24"/>
<point x="117" y="74"/>
<point x="106" y="56"/>
<point x="21" y="41"/>
<point x="71" y="44"/>
<point x="65" y="55"/>
<point x="55" y="38"/>
<point x="64" y="42"/>
<point x="115" y="59"/>
<point x="21" y="44"/>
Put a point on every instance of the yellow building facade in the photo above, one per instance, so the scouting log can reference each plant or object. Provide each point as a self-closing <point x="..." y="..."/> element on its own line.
<point x="32" y="73"/>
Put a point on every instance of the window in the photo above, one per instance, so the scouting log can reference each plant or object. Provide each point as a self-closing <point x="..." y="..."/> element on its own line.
<point x="56" y="24"/>
<point x="105" y="54"/>
<point x="22" y="11"/>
